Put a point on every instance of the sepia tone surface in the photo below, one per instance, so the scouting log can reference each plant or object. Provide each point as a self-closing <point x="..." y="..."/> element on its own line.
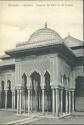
<point x="18" y="20"/>
<point x="41" y="71"/>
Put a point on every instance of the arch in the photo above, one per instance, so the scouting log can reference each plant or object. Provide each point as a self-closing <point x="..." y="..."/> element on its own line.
<point x="9" y="95"/>
<point x="64" y="80"/>
<point x="36" y="91"/>
<point x="24" y="80"/>
<point x="35" y="75"/>
<point x="24" y="83"/>
<point x="9" y="85"/>
<point x="48" y="92"/>
<point x="78" y="71"/>
<point x="79" y="93"/>
<point x="47" y="79"/>
<point x="2" y="85"/>
<point x="2" y="94"/>
<point x="34" y="70"/>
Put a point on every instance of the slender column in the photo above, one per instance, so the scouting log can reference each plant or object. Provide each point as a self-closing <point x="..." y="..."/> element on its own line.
<point x="69" y="101"/>
<point x="53" y="102"/>
<point x="13" y="99"/>
<point x="24" y="103"/>
<point x="61" y="100"/>
<point x="28" y="101"/>
<point x="20" y="91"/>
<point x="73" y="101"/>
<point x="57" y="101"/>
<point x="17" y="101"/>
<point x="31" y="99"/>
<point x="5" y="99"/>
<point x="43" y="100"/>
<point x="39" y="102"/>
<point x="66" y="101"/>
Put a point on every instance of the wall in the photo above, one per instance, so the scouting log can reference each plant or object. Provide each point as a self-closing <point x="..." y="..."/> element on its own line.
<point x="8" y="75"/>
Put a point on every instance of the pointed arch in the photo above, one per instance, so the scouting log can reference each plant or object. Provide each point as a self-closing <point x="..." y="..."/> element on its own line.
<point x="9" y="94"/>
<point x="79" y="94"/>
<point x="24" y="80"/>
<point x="2" y="85"/>
<point x="48" y="92"/>
<point x="64" y="80"/>
<point x="36" y="91"/>
<point x="47" y="80"/>
<point x="33" y="71"/>
<point x="9" y="85"/>
<point x="2" y="94"/>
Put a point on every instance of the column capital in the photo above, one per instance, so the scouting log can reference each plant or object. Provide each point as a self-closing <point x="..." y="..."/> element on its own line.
<point x="61" y="88"/>
<point x="53" y="88"/>
<point x="57" y="91"/>
<point x="19" y="86"/>
<point x="42" y="87"/>
<point x="57" y="87"/>
<point x="6" y="90"/>
<point x="29" y="91"/>
<point x="29" y="88"/>
<point x="66" y="89"/>
<point x="13" y="90"/>
<point x="73" y="90"/>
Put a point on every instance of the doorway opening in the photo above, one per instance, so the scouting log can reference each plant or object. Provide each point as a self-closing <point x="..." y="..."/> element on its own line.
<point x="36" y="91"/>
<point x="79" y="94"/>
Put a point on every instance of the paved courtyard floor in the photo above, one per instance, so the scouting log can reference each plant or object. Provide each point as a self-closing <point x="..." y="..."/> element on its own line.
<point x="10" y="116"/>
<point x="76" y="118"/>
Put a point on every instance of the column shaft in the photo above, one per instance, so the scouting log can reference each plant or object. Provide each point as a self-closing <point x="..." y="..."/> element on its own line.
<point x="53" y="102"/>
<point x="6" y="99"/>
<point x="28" y="100"/>
<point x="39" y="102"/>
<point x="69" y="101"/>
<point x="24" y="103"/>
<point x="66" y="101"/>
<point x="17" y="101"/>
<point x="43" y="100"/>
<point x="31" y="99"/>
<point x="20" y="93"/>
<point x="61" y="100"/>
<point x="57" y="101"/>
<point x="72" y="101"/>
<point x="12" y="100"/>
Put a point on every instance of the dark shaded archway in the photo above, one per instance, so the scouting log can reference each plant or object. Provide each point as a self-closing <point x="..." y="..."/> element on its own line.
<point x="2" y="95"/>
<point x="64" y="93"/>
<point x="48" y="93"/>
<point x="79" y="94"/>
<point x="36" y="91"/>
<point x="24" y="83"/>
<point x="25" y="91"/>
<point x="9" y="95"/>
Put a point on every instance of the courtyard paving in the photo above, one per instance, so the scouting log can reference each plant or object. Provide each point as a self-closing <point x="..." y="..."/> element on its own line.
<point x="10" y="116"/>
<point x="75" y="118"/>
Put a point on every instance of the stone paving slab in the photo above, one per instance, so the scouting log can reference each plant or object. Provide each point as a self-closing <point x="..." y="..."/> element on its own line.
<point x="9" y="116"/>
<point x="72" y="119"/>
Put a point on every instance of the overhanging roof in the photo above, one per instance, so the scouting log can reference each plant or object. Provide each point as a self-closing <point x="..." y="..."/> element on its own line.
<point x="60" y="48"/>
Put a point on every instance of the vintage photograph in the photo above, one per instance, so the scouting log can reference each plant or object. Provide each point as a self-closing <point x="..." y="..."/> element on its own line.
<point x="41" y="62"/>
